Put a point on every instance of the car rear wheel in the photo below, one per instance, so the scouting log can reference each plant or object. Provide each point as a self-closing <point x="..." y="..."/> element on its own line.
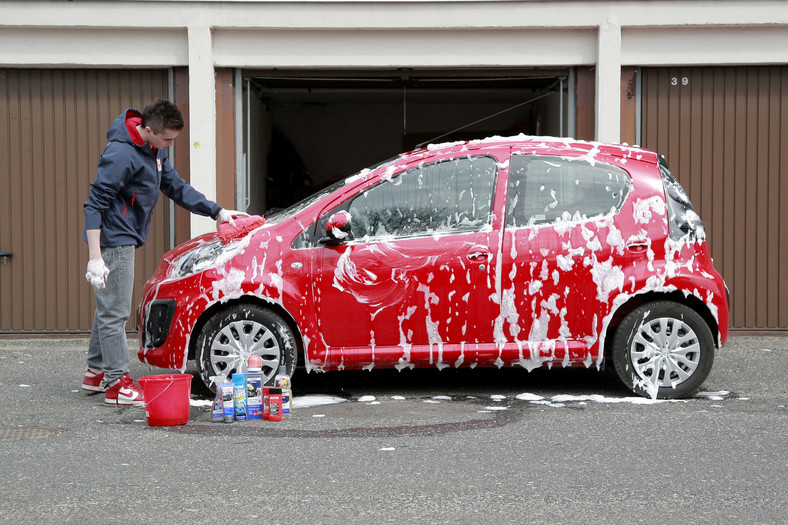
<point x="235" y="333"/>
<point x="663" y="350"/>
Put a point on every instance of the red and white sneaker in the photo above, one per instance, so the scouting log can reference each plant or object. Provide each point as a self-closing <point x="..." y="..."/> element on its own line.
<point x="91" y="383"/>
<point x="124" y="392"/>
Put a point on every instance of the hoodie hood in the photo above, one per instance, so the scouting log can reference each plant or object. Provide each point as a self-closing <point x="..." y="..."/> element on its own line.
<point x="124" y="128"/>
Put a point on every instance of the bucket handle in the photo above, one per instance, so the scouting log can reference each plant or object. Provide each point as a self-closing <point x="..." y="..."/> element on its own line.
<point x="172" y="381"/>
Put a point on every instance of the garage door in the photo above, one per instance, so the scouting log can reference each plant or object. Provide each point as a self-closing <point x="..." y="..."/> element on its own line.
<point x="725" y="134"/>
<point x="54" y="128"/>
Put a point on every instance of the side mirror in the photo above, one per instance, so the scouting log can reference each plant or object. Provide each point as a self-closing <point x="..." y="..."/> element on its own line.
<point x="337" y="229"/>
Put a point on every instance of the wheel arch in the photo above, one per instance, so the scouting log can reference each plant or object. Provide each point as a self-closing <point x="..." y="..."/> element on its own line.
<point x="246" y="299"/>
<point x="677" y="296"/>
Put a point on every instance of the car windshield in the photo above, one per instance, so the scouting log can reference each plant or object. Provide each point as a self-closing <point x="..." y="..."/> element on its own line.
<point x="278" y="215"/>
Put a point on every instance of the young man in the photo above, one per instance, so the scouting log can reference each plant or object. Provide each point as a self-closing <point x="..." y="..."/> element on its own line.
<point x="133" y="169"/>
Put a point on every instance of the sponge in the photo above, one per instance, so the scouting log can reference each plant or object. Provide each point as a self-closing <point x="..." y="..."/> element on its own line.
<point x="243" y="225"/>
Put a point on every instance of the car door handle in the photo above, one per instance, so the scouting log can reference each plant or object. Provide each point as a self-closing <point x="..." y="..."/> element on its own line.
<point x="477" y="253"/>
<point x="638" y="246"/>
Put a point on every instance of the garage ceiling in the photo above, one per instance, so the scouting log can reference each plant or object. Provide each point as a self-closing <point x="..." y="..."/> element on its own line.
<point x="395" y="86"/>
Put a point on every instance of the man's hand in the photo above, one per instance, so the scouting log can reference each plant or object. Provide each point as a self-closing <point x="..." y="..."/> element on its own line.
<point x="97" y="273"/>
<point x="230" y="215"/>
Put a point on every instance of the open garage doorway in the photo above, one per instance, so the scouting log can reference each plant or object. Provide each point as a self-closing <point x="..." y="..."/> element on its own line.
<point x="306" y="129"/>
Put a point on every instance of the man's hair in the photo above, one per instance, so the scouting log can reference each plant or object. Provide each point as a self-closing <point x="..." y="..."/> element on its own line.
<point x="162" y="114"/>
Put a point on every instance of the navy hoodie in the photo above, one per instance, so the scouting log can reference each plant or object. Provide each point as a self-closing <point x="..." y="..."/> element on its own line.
<point x="128" y="181"/>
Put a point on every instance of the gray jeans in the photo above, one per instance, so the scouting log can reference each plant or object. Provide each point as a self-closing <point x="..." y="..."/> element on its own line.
<point x="108" y="350"/>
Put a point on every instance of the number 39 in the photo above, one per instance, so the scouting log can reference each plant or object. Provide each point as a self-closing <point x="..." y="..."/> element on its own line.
<point x="674" y="81"/>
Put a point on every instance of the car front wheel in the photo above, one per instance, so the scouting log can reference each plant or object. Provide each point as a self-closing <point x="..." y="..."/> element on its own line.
<point x="663" y="350"/>
<point x="231" y="336"/>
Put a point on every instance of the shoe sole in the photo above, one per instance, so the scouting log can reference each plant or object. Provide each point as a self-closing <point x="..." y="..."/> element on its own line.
<point x="91" y="391"/>
<point x="115" y="402"/>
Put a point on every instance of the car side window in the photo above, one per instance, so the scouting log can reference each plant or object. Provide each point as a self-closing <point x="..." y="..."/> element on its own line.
<point x="448" y="196"/>
<point x="543" y="190"/>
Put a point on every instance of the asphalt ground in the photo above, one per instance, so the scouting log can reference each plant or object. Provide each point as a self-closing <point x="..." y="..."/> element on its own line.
<point x="451" y="446"/>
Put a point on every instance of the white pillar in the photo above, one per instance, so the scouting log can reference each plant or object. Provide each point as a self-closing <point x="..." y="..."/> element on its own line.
<point x="202" y="122"/>
<point x="608" y="82"/>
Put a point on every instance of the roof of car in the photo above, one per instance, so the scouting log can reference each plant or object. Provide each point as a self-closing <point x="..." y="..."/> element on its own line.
<point x="590" y="148"/>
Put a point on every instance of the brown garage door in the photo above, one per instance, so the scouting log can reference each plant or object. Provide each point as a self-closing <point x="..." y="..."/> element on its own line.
<point x="53" y="129"/>
<point x="725" y="134"/>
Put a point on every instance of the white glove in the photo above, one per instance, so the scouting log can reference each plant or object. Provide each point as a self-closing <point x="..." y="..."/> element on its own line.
<point x="230" y="215"/>
<point x="97" y="273"/>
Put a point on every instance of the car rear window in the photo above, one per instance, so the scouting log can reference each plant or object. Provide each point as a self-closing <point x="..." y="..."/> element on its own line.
<point x="685" y="223"/>
<point x="544" y="190"/>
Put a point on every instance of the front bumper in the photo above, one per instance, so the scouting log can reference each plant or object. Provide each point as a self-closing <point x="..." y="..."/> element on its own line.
<point x="166" y="317"/>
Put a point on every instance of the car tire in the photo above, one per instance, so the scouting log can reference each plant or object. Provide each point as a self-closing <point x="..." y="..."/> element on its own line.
<point x="663" y="350"/>
<point x="235" y="333"/>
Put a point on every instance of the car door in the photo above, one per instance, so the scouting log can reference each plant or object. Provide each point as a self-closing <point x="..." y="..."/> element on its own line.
<point x="559" y="250"/>
<point x="411" y="283"/>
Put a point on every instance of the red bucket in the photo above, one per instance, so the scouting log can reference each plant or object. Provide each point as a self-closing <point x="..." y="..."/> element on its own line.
<point x="167" y="399"/>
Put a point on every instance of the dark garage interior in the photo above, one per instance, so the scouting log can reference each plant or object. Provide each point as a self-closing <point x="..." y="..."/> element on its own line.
<point x="304" y="130"/>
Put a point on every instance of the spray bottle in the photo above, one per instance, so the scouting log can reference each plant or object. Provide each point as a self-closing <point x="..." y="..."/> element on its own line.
<point x="282" y="381"/>
<point x="217" y="410"/>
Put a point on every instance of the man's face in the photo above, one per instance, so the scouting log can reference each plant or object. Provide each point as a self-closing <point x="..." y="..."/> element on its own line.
<point x="164" y="139"/>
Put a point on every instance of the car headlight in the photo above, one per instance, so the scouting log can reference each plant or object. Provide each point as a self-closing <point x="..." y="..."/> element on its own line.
<point x="203" y="257"/>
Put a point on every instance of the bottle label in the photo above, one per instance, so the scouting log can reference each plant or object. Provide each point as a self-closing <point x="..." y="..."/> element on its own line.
<point x="239" y="396"/>
<point x="285" y="402"/>
<point x="228" y="402"/>
<point x="254" y="396"/>
<point x="218" y="406"/>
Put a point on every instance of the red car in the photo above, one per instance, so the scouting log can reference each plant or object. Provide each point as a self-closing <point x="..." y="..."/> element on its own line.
<point x="523" y="251"/>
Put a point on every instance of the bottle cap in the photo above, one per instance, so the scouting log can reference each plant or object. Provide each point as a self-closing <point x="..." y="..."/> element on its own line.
<point x="282" y="369"/>
<point x="255" y="362"/>
<point x="274" y="391"/>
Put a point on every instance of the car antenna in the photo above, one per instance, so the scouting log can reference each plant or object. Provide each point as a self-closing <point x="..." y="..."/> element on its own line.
<point x="421" y="145"/>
